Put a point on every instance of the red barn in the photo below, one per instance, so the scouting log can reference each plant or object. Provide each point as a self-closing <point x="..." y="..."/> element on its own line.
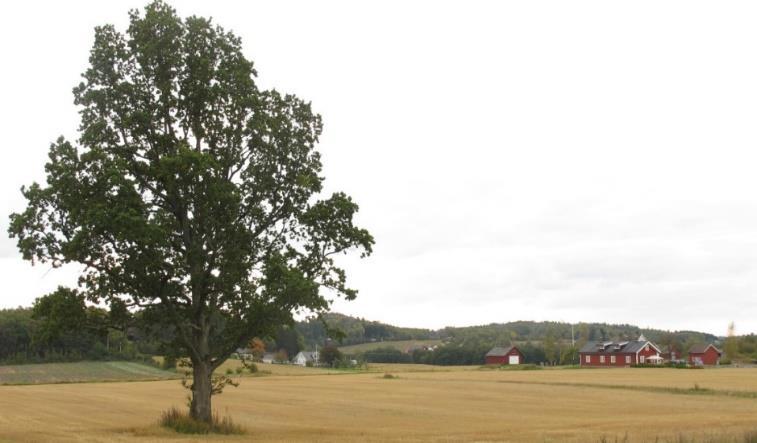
<point x="704" y="355"/>
<point x="510" y="355"/>
<point x="622" y="353"/>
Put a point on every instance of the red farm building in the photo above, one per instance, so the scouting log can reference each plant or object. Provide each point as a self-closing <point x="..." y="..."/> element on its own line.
<point x="510" y="355"/>
<point x="704" y="355"/>
<point x="620" y="353"/>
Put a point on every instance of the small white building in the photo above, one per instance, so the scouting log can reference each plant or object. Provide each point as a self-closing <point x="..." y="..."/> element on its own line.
<point x="244" y="353"/>
<point x="304" y="357"/>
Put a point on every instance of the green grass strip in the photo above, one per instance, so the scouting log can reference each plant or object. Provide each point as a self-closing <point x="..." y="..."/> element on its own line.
<point x="695" y="390"/>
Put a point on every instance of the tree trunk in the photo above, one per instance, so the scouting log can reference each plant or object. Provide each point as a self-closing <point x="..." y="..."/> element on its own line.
<point x="200" y="408"/>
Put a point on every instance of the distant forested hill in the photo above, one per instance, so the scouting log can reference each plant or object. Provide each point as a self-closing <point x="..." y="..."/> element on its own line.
<point x="359" y="330"/>
<point x="536" y="334"/>
<point x="525" y="331"/>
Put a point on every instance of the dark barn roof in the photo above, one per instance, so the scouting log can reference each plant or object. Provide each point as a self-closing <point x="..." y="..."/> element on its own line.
<point x="615" y="347"/>
<point x="500" y="351"/>
<point x="700" y="349"/>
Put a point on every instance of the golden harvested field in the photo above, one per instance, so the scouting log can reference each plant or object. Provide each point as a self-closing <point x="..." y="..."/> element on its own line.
<point x="728" y="379"/>
<point x="276" y="369"/>
<point x="441" y="405"/>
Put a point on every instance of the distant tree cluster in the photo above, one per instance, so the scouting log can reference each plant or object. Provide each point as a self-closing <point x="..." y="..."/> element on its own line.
<point x="388" y="354"/>
<point x="746" y="347"/>
<point x="330" y="356"/>
<point x="60" y="327"/>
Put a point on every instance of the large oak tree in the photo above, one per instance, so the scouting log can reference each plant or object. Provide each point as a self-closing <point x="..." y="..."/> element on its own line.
<point x="192" y="195"/>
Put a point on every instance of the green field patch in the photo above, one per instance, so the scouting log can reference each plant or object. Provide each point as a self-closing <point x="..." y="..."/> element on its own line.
<point x="402" y="345"/>
<point x="81" y="372"/>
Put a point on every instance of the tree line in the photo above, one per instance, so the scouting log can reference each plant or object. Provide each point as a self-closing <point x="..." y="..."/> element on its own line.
<point x="61" y="327"/>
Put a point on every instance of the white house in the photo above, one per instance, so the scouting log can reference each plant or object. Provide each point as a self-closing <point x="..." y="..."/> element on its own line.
<point x="303" y="357"/>
<point x="244" y="353"/>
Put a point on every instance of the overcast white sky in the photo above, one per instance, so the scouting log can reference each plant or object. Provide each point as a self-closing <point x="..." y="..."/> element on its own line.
<point x="574" y="161"/>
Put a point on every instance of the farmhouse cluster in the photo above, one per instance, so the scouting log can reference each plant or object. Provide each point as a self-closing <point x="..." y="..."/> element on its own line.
<point x="618" y="353"/>
<point x="642" y="351"/>
<point x="303" y="358"/>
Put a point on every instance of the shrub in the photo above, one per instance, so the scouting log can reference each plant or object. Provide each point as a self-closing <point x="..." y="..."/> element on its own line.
<point x="666" y="365"/>
<point x="181" y="422"/>
<point x="98" y="351"/>
<point x="389" y="376"/>
<point x="229" y="371"/>
<point x="680" y="365"/>
<point x="329" y="355"/>
<point x="526" y="367"/>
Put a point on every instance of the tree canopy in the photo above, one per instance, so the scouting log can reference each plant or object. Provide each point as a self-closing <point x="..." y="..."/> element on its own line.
<point x="192" y="195"/>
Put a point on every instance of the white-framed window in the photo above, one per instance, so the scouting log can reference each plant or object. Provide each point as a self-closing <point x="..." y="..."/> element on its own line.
<point x="612" y="359"/>
<point x="588" y="359"/>
<point x="601" y="358"/>
<point x="646" y="348"/>
<point x="628" y="359"/>
<point x="641" y="359"/>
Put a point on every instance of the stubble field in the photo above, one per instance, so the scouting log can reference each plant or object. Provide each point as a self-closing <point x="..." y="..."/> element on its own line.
<point x="446" y="404"/>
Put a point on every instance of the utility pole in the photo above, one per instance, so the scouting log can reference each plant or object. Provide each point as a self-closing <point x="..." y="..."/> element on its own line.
<point x="572" y="336"/>
<point x="573" y="344"/>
